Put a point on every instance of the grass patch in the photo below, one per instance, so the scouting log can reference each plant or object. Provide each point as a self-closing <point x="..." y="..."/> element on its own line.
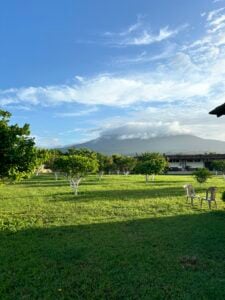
<point x="119" y="239"/>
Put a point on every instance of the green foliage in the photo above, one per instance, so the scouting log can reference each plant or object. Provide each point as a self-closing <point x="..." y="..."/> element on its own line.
<point x="151" y="164"/>
<point x="75" y="166"/>
<point x="123" y="163"/>
<point x="50" y="163"/>
<point x="82" y="152"/>
<point x="202" y="175"/>
<point x="219" y="165"/>
<point x="105" y="162"/>
<point x="223" y="196"/>
<point x="79" y="166"/>
<point x="18" y="156"/>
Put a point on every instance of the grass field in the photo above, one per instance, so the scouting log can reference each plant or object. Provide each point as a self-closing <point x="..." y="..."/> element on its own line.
<point x="119" y="239"/>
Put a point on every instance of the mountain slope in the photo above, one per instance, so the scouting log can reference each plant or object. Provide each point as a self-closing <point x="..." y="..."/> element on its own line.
<point x="169" y="145"/>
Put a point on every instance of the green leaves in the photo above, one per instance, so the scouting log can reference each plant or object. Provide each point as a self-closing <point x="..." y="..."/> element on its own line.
<point x="202" y="175"/>
<point x="75" y="165"/>
<point x="219" y="165"/>
<point x="17" y="151"/>
<point x="151" y="163"/>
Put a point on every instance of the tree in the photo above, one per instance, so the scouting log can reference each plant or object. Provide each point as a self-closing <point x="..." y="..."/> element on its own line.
<point x="83" y="152"/>
<point x="219" y="165"/>
<point x="105" y="164"/>
<point x="150" y="164"/>
<point x="42" y="156"/>
<point x="124" y="164"/>
<point x="53" y="163"/>
<point x="17" y="149"/>
<point x="75" y="167"/>
<point x="202" y="175"/>
<point x="116" y="163"/>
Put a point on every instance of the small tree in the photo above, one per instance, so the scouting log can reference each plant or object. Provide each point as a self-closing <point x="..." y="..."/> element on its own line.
<point x="42" y="156"/>
<point x="53" y="162"/>
<point x="105" y="164"/>
<point x="219" y="165"/>
<point x="202" y="175"/>
<point x="124" y="164"/>
<point x="151" y="164"/>
<point x="75" y="167"/>
<point x="127" y="164"/>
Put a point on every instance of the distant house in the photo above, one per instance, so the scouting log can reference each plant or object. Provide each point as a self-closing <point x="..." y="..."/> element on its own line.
<point x="191" y="162"/>
<point x="219" y="110"/>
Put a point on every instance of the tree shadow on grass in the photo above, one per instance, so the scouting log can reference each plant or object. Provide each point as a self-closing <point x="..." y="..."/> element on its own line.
<point x="122" y="194"/>
<point x="163" y="258"/>
<point x="116" y="194"/>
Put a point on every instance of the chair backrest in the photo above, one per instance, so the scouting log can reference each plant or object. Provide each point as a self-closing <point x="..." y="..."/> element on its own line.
<point x="190" y="191"/>
<point x="211" y="193"/>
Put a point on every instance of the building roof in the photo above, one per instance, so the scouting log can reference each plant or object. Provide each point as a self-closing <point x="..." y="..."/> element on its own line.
<point x="207" y="156"/>
<point x="219" y="110"/>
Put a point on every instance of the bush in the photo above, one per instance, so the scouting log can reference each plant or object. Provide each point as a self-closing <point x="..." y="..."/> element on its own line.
<point x="223" y="196"/>
<point x="202" y="175"/>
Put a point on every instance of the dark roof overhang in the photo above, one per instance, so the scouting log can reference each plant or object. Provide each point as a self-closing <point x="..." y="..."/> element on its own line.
<point x="219" y="110"/>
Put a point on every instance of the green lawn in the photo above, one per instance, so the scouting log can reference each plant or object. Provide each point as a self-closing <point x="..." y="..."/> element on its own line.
<point x="119" y="239"/>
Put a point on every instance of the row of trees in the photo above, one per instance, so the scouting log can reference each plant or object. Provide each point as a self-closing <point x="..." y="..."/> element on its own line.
<point x="19" y="158"/>
<point x="77" y="163"/>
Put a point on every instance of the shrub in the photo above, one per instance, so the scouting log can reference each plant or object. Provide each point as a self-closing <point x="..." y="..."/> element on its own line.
<point x="202" y="175"/>
<point x="223" y="196"/>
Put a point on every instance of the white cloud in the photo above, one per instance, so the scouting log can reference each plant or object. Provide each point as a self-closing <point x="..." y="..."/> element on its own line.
<point x="147" y="38"/>
<point x="217" y="1"/>
<point x="47" y="142"/>
<point x="144" y="130"/>
<point x="78" y="113"/>
<point x="140" y="34"/>
<point x="187" y="83"/>
<point x="114" y="90"/>
<point x="214" y="13"/>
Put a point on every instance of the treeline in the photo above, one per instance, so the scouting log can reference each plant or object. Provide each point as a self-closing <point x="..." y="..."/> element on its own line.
<point x="94" y="162"/>
<point x="75" y="164"/>
<point x="20" y="158"/>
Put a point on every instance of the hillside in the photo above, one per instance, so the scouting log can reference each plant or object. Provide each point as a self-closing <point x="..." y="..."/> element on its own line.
<point x="168" y="144"/>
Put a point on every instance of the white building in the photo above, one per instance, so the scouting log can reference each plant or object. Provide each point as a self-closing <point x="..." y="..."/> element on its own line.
<point x="191" y="162"/>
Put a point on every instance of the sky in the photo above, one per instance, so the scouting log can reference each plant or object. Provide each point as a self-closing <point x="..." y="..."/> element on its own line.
<point x="76" y="70"/>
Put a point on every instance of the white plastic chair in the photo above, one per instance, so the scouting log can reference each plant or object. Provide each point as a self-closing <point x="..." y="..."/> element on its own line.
<point x="190" y="193"/>
<point x="210" y="196"/>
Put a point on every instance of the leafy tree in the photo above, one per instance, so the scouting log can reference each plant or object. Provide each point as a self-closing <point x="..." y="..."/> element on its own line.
<point x="150" y="164"/>
<point x="116" y="163"/>
<point x="202" y="175"/>
<point x="105" y="164"/>
<point x="83" y="152"/>
<point x="42" y="156"/>
<point x="219" y="165"/>
<point x="53" y="163"/>
<point x="17" y="149"/>
<point x="75" y="167"/>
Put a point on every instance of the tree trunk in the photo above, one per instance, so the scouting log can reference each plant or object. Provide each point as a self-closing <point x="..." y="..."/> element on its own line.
<point x="146" y="178"/>
<point x="100" y="175"/>
<point x="74" y="185"/>
<point x="56" y="176"/>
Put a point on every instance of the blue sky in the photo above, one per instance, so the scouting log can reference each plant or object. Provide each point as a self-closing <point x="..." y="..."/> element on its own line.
<point x="77" y="70"/>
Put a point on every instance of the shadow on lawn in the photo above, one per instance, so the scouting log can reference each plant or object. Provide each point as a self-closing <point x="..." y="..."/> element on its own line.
<point x="133" y="193"/>
<point x="164" y="258"/>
